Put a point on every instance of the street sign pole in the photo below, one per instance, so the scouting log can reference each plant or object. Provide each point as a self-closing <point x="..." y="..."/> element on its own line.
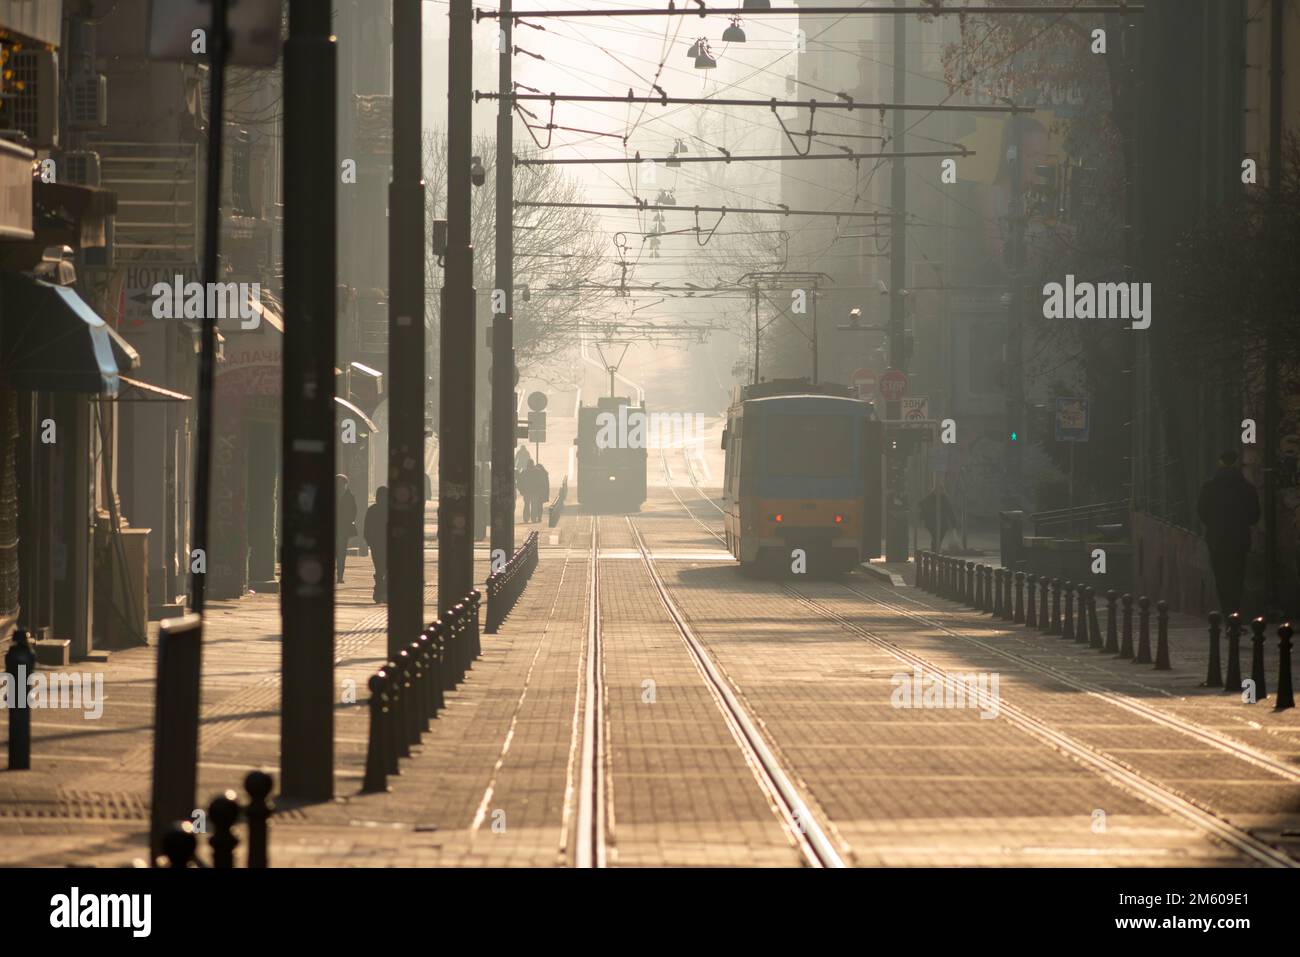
<point x="456" y="388"/>
<point x="307" y="695"/>
<point x="503" y="346"/>
<point x="406" y="339"/>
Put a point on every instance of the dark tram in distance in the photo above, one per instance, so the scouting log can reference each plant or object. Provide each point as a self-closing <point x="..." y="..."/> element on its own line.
<point x="611" y="455"/>
<point x="804" y="470"/>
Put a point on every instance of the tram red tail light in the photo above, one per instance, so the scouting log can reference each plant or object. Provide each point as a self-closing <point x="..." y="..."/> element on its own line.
<point x="777" y="517"/>
<point x="839" y="519"/>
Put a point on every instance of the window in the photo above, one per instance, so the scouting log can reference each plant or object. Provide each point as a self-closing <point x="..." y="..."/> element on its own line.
<point x="813" y="446"/>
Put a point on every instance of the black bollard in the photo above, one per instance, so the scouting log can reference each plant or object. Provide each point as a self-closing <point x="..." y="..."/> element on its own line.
<point x="970" y="584"/>
<point x="258" y="813"/>
<point x="410" y="706"/>
<point x="179" y="844"/>
<point x="20" y="663"/>
<point x="376" y="746"/>
<point x="462" y="641"/>
<point x="223" y="812"/>
<point x="475" y="600"/>
<point x="1067" y="630"/>
<point x="1232" y="681"/>
<point x="1144" y="632"/>
<point x="1044" y="620"/>
<point x="1020" y="598"/>
<point x="1094" y="624"/>
<point x="419" y="691"/>
<point x="1031" y="609"/>
<point x="433" y="685"/>
<point x="1112" y="623"/>
<point x="1008" y="605"/>
<point x="988" y="590"/>
<point x="397" y="725"/>
<point x="1257" y="626"/>
<point x="1213" y="673"/>
<point x="445" y="650"/>
<point x="979" y="587"/>
<point x="1056" y="607"/>
<point x="1081" y="622"/>
<point x="1285" y="699"/>
<point x="998" y="575"/>
<point x="1162" y="636"/>
<point x="1126" y="641"/>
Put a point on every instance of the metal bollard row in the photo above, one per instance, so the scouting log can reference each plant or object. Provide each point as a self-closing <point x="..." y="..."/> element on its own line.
<point x="505" y="586"/>
<point x="1068" y="610"/>
<point x="409" y="691"/>
<point x="180" y="845"/>
<point x="1233" y="682"/>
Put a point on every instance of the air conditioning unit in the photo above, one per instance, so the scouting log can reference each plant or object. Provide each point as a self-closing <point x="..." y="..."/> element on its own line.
<point x="88" y="101"/>
<point x="80" y="167"/>
<point x="34" y="108"/>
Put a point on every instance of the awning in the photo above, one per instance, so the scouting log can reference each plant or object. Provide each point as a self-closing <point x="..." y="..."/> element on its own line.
<point x="133" y="390"/>
<point x="124" y="353"/>
<point x="370" y="423"/>
<point x="52" y="341"/>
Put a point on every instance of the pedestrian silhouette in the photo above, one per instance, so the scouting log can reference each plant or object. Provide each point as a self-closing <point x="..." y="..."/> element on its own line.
<point x="377" y="538"/>
<point x="1228" y="506"/>
<point x="345" y="522"/>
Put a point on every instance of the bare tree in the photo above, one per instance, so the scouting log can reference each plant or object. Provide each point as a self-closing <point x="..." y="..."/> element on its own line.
<point x="556" y="251"/>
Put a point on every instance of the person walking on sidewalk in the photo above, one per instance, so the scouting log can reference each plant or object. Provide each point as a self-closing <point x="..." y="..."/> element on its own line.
<point x="377" y="538"/>
<point x="345" y="523"/>
<point x="542" y="489"/>
<point x="1228" y="506"/>
<point x="527" y="482"/>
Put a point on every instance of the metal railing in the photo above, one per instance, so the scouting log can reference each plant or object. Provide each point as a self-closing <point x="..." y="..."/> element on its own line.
<point x="409" y="690"/>
<point x="505" y="586"/>
<point x="1080" y="519"/>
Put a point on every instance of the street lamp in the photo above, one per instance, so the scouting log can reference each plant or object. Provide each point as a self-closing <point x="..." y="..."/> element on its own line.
<point x="733" y="33"/>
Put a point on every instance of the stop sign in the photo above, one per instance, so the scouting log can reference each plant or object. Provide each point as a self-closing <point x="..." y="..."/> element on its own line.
<point x="893" y="385"/>
<point x="865" y="382"/>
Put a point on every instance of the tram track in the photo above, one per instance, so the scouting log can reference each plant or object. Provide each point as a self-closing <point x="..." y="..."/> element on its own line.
<point x="1116" y="772"/>
<point x="590" y="845"/>
<point x="800" y="824"/>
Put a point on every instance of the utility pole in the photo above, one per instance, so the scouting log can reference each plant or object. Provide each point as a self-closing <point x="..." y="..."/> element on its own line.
<point x="307" y="694"/>
<point x="208" y="342"/>
<point x="456" y="388"/>
<point x="896" y="512"/>
<point x="1014" y="383"/>
<point x="814" y="333"/>
<point x="406" y="338"/>
<point x="503" y="333"/>
<point x="755" y="331"/>
<point x="1272" y="405"/>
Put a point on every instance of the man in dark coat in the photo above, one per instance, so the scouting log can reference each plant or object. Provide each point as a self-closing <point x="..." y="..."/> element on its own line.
<point x="1228" y="506"/>
<point x="345" y="523"/>
<point x="542" y="489"/>
<point x="377" y="538"/>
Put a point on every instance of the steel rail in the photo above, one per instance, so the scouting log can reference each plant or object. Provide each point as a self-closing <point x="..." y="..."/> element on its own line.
<point x="799" y="821"/>
<point x="1237" y="749"/>
<point x="1119" y="774"/>
<point x="591" y="837"/>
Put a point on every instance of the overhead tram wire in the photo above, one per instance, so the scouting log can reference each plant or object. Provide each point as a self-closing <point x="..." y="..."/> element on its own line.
<point x="927" y="10"/>
<point x="773" y="103"/>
